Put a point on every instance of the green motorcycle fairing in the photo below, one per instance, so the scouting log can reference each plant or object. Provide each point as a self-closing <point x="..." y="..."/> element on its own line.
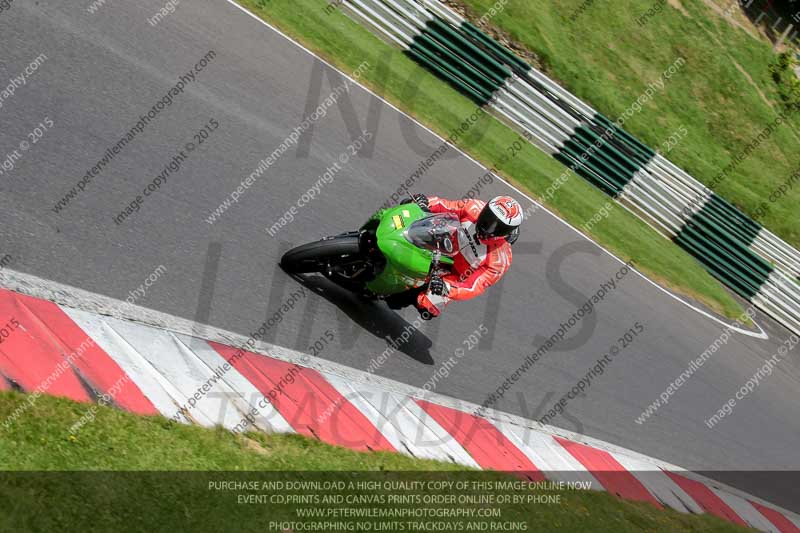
<point x="407" y="265"/>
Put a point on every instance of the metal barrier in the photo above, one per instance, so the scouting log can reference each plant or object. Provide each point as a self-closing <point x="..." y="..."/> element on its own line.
<point x="746" y="257"/>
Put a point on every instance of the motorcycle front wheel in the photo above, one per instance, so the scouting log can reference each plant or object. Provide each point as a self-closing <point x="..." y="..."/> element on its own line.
<point x="322" y="256"/>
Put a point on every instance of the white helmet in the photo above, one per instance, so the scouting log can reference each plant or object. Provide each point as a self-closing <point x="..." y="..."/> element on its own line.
<point x="501" y="217"/>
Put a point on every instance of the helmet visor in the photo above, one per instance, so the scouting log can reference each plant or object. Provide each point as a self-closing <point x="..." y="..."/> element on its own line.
<point x="489" y="225"/>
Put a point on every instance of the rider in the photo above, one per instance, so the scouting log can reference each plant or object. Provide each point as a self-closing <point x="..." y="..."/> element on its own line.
<point x="484" y="249"/>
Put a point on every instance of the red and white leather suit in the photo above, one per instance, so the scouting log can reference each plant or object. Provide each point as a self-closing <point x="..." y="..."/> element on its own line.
<point x="477" y="266"/>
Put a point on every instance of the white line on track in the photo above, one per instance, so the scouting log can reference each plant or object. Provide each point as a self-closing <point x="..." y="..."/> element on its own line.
<point x="761" y="334"/>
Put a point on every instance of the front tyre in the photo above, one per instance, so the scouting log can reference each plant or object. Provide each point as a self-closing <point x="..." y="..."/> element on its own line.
<point x="322" y="256"/>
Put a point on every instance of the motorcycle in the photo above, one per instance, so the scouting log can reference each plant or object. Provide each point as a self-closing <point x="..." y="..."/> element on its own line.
<point x="397" y="250"/>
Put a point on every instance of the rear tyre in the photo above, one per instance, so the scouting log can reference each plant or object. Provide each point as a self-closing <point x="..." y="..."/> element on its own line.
<point x="320" y="255"/>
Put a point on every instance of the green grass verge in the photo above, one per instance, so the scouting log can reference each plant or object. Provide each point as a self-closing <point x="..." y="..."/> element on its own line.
<point x="165" y="499"/>
<point x="401" y="81"/>
<point x="724" y="95"/>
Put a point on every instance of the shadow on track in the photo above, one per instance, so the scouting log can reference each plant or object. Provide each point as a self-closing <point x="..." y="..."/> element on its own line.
<point x="373" y="317"/>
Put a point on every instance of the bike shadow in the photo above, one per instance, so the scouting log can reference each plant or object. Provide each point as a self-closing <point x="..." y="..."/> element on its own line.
<point x="373" y="317"/>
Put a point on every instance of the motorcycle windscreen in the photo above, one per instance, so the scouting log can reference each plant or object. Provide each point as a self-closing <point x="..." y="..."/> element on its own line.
<point x="437" y="233"/>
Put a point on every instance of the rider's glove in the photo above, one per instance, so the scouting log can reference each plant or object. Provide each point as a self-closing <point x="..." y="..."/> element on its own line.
<point x="437" y="286"/>
<point x="422" y="201"/>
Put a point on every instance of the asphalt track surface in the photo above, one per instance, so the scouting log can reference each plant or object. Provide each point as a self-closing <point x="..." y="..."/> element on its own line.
<point x="104" y="70"/>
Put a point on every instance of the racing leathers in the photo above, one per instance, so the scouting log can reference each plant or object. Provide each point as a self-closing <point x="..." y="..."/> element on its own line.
<point x="479" y="264"/>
